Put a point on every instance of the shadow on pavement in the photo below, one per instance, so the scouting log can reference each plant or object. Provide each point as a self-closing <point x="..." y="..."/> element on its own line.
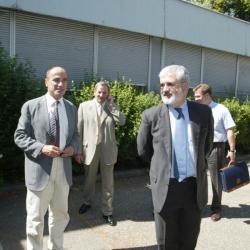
<point x="242" y="211"/>
<point x="132" y="202"/>
<point x="138" y="248"/>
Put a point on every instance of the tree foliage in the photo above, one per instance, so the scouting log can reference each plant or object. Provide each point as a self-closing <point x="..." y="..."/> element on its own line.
<point x="235" y="8"/>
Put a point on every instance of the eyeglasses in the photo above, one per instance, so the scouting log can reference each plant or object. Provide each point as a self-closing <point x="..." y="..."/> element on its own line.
<point x="169" y="85"/>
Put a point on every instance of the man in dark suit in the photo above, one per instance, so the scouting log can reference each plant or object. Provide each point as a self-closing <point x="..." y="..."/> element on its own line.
<point x="176" y="136"/>
<point x="47" y="133"/>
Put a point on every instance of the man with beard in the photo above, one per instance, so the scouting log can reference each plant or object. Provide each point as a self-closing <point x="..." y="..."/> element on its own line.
<point x="176" y="136"/>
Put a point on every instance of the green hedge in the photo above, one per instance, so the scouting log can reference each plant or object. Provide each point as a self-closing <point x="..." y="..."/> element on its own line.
<point x="18" y="84"/>
<point x="241" y="114"/>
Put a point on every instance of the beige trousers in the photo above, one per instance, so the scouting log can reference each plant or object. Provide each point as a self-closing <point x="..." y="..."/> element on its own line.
<point x="55" y="198"/>
<point x="107" y="177"/>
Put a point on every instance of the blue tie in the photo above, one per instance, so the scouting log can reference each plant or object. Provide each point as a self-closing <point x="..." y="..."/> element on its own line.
<point x="176" y="170"/>
<point x="180" y="114"/>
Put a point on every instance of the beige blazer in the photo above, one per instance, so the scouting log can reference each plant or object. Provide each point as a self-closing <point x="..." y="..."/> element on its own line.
<point x="90" y="128"/>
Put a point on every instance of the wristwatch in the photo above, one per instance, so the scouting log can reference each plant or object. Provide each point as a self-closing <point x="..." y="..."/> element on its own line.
<point x="233" y="151"/>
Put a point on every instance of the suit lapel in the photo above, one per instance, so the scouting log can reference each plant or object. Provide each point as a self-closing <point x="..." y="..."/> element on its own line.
<point x="165" y="124"/>
<point x="43" y="114"/>
<point x="70" y="117"/>
<point x="195" y="126"/>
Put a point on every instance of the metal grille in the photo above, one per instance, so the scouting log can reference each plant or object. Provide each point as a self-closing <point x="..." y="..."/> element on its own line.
<point x="186" y="55"/>
<point x="244" y="77"/>
<point x="123" y="55"/>
<point x="46" y="42"/>
<point x="220" y="71"/>
<point x="5" y="30"/>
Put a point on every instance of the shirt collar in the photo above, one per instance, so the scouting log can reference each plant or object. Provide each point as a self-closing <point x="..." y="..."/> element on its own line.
<point x="98" y="104"/>
<point x="212" y="104"/>
<point x="183" y="106"/>
<point x="51" y="100"/>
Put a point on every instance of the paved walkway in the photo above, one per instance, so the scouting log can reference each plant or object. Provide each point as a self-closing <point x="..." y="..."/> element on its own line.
<point x="133" y="210"/>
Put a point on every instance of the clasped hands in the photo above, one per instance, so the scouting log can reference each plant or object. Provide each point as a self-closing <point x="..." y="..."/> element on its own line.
<point x="54" y="151"/>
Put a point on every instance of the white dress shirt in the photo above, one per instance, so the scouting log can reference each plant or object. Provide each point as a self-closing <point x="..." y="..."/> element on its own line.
<point x="222" y="121"/>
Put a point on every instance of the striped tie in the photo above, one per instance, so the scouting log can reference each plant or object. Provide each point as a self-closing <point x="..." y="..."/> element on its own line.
<point x="54" y="126"/>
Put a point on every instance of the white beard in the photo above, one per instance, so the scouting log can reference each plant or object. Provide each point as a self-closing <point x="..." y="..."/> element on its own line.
<point x="170" y="100"/>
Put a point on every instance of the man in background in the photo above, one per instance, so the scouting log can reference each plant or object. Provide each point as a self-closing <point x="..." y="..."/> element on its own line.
<point x="47" y="133"/>
<point x="223" y="131"/>
<point x="175" y="137"/>
<point x="96" y="124"/>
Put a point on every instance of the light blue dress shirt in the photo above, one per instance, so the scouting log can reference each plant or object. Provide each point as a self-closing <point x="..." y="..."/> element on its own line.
<point x="182" y="143"/>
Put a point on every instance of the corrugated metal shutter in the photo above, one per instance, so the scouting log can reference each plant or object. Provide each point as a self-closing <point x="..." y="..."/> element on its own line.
<point x="186" y="55"/>
<point x="5" y="30"/>
<point x="244" y="77"/>
<point x="48" y="41"/>
<point x="220" y="71"/>
<point x="123" y="54"/>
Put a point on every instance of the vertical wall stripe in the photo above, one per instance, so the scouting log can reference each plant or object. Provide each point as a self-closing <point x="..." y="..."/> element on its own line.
<point x="149" y="63"/>
<point x="95" y="58"/>
<point x="12" y="33"/>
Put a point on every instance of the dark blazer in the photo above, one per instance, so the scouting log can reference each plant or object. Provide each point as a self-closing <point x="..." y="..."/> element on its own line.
<point x="154" y="144"/>
<point x="32" y="134"/>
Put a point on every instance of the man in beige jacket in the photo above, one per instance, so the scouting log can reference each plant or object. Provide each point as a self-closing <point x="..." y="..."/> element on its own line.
<point x="96" y="124"/>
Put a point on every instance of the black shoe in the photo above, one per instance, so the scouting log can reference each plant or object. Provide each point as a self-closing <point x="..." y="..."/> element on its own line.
<point x="83" y="209"/>
<point x="110" y="220"/>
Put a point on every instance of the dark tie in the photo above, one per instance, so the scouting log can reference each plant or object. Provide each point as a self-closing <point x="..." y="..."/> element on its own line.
<point x="180" y="114"/>
<point x="176" y="170"/>
<point x="54" y="131"/>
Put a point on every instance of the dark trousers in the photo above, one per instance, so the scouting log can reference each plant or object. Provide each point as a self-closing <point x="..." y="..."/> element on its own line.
<point x="181" y="215"/>
<point x="215" y="162"/>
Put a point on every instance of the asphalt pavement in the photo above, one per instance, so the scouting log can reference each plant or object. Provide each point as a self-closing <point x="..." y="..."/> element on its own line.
<point x="133" y="211"/>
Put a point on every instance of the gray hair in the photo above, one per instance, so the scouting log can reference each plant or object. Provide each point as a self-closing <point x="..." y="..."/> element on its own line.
<point x="102" y="83"/>
<point x="180" y="71"/>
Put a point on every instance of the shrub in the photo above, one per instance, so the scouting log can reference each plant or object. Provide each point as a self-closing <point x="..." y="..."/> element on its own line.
<point x="241" y="113"/>
<point x="17" y="84"/>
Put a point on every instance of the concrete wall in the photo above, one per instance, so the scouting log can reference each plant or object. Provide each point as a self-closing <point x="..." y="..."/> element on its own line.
<point x="172" y="19"/>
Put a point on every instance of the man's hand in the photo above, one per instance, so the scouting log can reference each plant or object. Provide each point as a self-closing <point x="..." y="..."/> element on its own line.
<point x="231" y="156"/>
<point x="67" y="152"/>
<point x="79" y="158"/>
<point x="51" y="150"/>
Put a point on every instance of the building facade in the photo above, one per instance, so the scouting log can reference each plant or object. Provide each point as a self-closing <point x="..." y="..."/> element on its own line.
<point x="129" y="40"/>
